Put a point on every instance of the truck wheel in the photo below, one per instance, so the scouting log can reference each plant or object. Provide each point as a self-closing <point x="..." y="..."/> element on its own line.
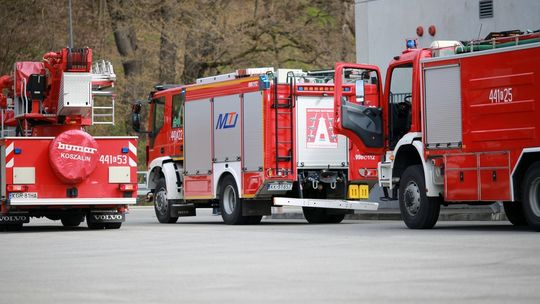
<point x="319" y="216"/>
<point x="531" y="196"/>
<point x="417" y="210"/>
<point x="514" y="213"/>
<point x="72" y="220"/>
<point x="334" y="218"/>
<point x="161" y="204"/>
<point x="231" y="204"/>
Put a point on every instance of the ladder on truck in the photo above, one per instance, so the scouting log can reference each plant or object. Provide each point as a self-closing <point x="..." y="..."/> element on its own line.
<point x="103" y="78"/>
<point x="494" y="40"/>
<point x="497" y="40"/>
<point x="6" y="131"/>
<point x="283" y="109"/>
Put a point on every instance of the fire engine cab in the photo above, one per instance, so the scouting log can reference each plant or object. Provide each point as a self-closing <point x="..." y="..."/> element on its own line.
<point x="50" y="166"/>
<point x="249" y="140"/>
<point x="456" y="123"/>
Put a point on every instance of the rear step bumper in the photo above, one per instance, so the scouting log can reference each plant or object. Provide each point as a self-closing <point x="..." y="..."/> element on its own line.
<point x="325" y="203"/>
<point x="72" y="201"/>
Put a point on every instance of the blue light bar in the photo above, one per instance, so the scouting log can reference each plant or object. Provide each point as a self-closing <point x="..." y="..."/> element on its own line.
<point x="17" y="151"/>
<point x="411" y="43"/>
<point x="125" y="150"/>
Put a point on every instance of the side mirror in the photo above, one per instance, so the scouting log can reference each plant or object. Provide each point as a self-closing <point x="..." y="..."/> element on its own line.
<point x="136" y="117"/>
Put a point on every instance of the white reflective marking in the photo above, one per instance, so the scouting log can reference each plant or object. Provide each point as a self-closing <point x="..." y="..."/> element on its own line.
<point x="10" y="149"/>
<point x="132" y="148"/>
<point x="72" y="201"/>
<point x="10" y="163"/>
<point x="132" y="163"/>
<point x="326" y="203"/>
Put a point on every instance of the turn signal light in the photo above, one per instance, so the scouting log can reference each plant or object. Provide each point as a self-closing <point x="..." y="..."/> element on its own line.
<point x="127" y="187"/>
<point x="17" y="188"/>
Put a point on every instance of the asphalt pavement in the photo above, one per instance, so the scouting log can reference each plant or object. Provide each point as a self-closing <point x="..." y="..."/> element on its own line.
<point x="201" y="260"/>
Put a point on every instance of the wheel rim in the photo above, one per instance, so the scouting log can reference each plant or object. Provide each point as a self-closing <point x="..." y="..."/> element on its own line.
<point x="229" y="199"/>
<point x="161" y="201"/>
<point x="534" y="199"/>
<point x="411" y="197"/>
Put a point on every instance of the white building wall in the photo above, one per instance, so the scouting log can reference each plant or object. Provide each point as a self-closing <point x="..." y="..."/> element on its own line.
<point x="383" y="25"/>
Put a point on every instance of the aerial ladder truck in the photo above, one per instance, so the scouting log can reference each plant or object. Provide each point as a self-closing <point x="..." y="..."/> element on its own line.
<point x="50" y="166"/>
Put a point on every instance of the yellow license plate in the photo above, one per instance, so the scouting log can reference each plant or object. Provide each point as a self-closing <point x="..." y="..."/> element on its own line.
<point x="358" y="191"/>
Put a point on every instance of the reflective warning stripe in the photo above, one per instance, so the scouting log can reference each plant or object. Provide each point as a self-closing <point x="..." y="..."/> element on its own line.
<point x="10" y="149"/>
<point x="132" y="155"/>
<point x="10" y="157"/>
<point x="132" y="148"/>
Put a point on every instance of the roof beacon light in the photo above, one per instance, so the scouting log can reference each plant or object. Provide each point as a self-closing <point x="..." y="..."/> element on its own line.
<point x="412" y="43"/>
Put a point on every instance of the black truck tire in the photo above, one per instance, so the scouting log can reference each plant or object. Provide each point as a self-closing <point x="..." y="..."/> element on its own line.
<point x="320" y="216"/>
<point x="161" y="204"/>
<point x="514" y="213"/>
<point x="530" y="196"/>
<point x="230" y="203"/>
<point x="72" y="220"/>
<point x="417" y="210"/>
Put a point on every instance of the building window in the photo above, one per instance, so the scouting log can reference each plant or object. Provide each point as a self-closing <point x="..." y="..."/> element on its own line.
<point x="486" y="9"/>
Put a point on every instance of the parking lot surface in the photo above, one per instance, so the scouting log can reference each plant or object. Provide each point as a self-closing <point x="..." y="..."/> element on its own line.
<point x="201" y="260"/>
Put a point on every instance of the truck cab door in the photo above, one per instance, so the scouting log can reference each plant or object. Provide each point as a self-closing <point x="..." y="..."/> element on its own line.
<point x="157" y="136"/>
<point x="358" y="110"/>
<point x="176" y="136"/>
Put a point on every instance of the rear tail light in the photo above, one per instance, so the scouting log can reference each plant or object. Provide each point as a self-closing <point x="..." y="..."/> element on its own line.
<point x="17" y="188"/>
<point x="128" y="187"/>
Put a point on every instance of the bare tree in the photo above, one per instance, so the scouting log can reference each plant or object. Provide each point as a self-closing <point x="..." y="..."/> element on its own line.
<point x="180" y="40"/>
<point x="125" y="36"/>
<point x="167" y="49"/>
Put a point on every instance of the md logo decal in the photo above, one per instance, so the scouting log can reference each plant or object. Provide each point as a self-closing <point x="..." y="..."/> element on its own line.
<point x="227" y="120"/>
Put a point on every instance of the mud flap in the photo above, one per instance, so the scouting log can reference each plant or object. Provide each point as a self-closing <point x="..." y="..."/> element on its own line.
<point x="256" y="207"/>
<point x="14" y="218"/>
<point x="182" y="209"/>
<point x="106" y="217"/>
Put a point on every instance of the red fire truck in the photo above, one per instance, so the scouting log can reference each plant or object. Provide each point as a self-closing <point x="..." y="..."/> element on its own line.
<point x="239" y="140"/>
<point x="455" y="124"/>
<point x="50" y="167"/>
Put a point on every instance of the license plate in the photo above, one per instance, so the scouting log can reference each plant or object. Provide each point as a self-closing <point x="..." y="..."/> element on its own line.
<point x="280" y="187"/>
<point x="358" y="191"/>
<point x="23" y="195"/>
